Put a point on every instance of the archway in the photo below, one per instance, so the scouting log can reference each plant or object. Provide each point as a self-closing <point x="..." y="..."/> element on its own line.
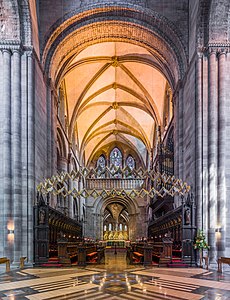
<point x="115" y="222"/>
<point x="119" y="77"/>
<point x="115" y="211"/>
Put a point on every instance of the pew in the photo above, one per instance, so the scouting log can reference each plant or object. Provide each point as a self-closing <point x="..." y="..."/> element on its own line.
<point x="5" y="260"/>
<point x="138" y="257"/>
<point x="92" y="257"/>
<point x="222" y="260"/>
<point x="67" y="252"/>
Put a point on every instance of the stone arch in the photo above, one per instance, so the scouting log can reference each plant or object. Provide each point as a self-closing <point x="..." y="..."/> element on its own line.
<point x="122" y="146"/>
<point x="130" y="204"/>
<point x="98" y="23"/>
<point x="61" y="143"/>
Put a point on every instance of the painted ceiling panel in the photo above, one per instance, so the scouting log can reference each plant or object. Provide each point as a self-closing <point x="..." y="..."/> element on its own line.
<point x="106" y="78"/>
<point x="145" y="121"/>
<point x="88" y="119"/>
<point x="117" y="95"/>
<point x="138" y="145"/>
<point x="110" y="49"/>
<point x="152" y="80"/>
<point x="75" y="82"/>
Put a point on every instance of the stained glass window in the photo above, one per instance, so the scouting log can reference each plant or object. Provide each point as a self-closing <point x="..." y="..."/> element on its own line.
<point x="101" y="162"/>
<point x="116" y="161"/>
<point x="116" y="158"/>
<point x="130" y="162"/>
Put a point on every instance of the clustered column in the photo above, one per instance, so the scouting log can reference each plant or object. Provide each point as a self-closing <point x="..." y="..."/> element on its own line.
<point x="199" y="103"/>
<point x="16" y="152"/>
<point x="212" y="152"/>
<point x="6" y="147"/>
<point x="216" y="152"/>
<point x="221" y="199"/>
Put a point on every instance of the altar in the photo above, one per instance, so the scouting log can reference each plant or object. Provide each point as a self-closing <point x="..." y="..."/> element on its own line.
<point x="115" y="235"/>
<point x="118" y="244"/>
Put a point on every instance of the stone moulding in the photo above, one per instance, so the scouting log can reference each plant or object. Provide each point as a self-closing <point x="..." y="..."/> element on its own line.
<point x="168" y="44"/>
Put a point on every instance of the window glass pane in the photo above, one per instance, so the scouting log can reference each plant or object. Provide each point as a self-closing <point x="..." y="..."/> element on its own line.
<point x="101" y="163"/>
<point x="116" y="158"/>
<point x="130" y="162"/>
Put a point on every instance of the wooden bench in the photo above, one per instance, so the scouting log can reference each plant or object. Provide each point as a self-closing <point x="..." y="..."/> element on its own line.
<point x="92" y="257"/>
<point x="22" y="261"/>
<point x="5" y="260"/>
<point x="222" y="260"/>
<point x="138" y="257"/>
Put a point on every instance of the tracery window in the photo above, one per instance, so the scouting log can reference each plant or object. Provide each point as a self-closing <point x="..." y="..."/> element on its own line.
<point x="116" y="161"/>
<point x="101" y="163"/>
<point x="130" y="162"/>
<point x="116" y="158"/>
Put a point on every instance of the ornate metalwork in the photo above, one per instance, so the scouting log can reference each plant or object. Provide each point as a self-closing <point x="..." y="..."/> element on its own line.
<point x="159" y="184"/>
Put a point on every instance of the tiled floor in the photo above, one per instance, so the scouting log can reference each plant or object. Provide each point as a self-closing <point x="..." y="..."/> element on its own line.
<point x="115" y="280"/>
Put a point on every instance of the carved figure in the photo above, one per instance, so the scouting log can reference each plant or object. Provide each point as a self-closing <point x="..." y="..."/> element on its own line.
<point x="111" y="235"/>
<point x="106" y="236"/>
<point x="187" y="216"/>
<point x="42" y="215"/>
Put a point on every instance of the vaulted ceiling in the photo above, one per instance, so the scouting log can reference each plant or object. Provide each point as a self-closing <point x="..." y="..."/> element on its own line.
<point x="115" y="94"/>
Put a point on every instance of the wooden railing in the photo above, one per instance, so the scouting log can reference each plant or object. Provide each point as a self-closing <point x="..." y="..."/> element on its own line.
<point x="118" y="184"/>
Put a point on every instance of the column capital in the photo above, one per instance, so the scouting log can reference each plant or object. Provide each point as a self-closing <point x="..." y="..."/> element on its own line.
<point x="6" y="50"/>
<point x="201" y="51"/>
<point x="16" y="51"/>
<point x="211" y="51"/>
<point x="219" y="47"/>
<point x="221" y="52"/>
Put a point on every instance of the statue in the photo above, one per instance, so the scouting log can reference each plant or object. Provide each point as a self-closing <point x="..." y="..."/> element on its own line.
<point x="120" y="236"/>
<point x="187" y="216"/>
<point x="106" y="236"/>
<point x="126" y="236"/>
<point x="115" y="236"/>
<point x="42" y="215"/>
<point x="111" y="235"/>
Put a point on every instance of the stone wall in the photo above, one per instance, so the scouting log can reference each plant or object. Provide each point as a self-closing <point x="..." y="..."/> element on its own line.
<point x="51" y="11"/>
<point x="93" y="224"/>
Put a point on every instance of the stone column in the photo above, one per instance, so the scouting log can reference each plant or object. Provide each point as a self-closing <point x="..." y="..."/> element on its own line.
<point x="212" y="153"/>
<point x="1" y="162"/>
<point x="221" y="199"/>
<point x="16" y="153"/>
<point x="24" y="126"/>
<point x="70" y="186"/>
<point x="181" y="133"/>
<point x="48" y="130"/>
<point x="198" y="120"/>
<point x="6" y="146"/>
<point x="31" y="153"/>
<point x="176" y="140"/>
<point x="176" y="134"/>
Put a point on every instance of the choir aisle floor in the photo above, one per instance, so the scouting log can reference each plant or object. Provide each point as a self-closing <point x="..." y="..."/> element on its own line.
<point x="114" y="280"/>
